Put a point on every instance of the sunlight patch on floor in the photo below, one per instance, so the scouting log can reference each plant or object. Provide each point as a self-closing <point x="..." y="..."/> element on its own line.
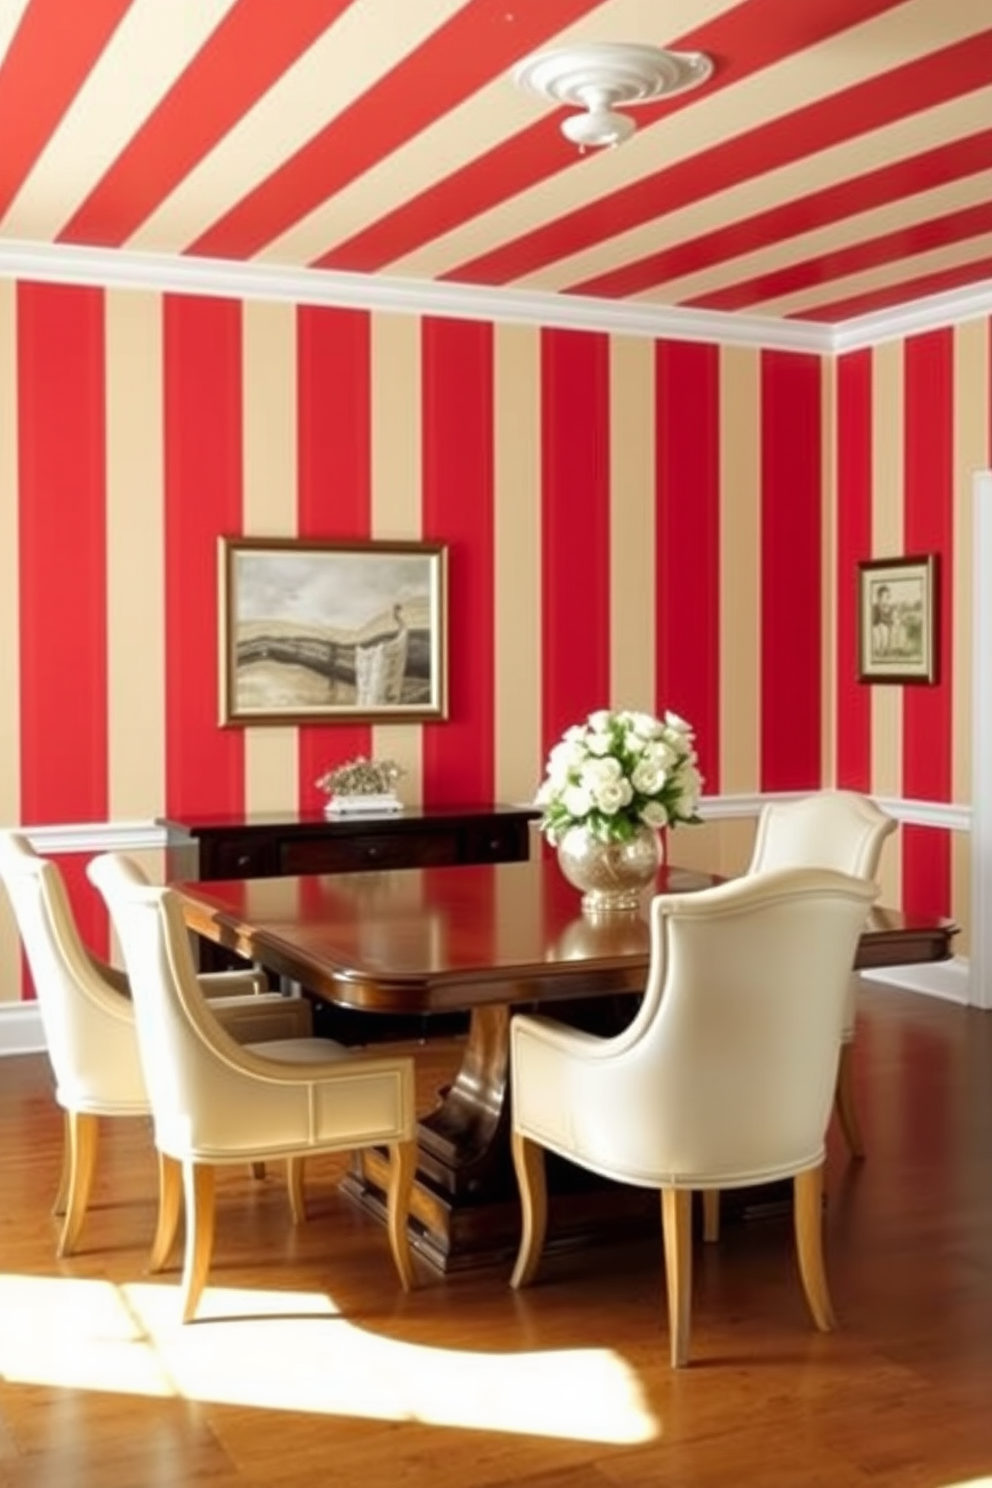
<point x="294" y="1351"/>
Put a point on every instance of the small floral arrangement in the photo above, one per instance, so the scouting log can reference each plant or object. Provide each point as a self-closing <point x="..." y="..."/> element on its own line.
<point x="360" y="777"/>
<point x="618" y="771"/>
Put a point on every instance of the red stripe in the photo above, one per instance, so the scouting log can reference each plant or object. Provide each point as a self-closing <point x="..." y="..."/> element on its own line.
<point x="854" y="499"/>
<point x="904" y="91"/>
<point x="791" y="511"/>
<point x="476" y="45"/>
<point x="687" y="562"/>
<point x="890" y="248"/>
<point x="335" y="481"/>
<point x="804" y="214"/>
<point x="203" y="493"/>
<point x="53" y="50"/>
<point x="62" y="554"/>
<point x="929" y="528"/>
<point x="575" y="528"/>
<point x="901" y="292"/>
<point x="459" y="755"/>
<point x="237" y="64"/>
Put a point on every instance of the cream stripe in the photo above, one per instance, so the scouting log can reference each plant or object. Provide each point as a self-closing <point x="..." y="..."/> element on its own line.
<point x="834" y="237"/>
<point x="843" y="162"/>
<point x="740" y="571"/>
<point x="887" y="276"/>
<point x="887" y="475"/>
<point x="632" y="524"/>
<point x="465" y="134"/>
<point x="11" y="15"/>
<point x="828" y="572"/>
<point x="153" y="44"/>
<point x="971" y="446"/>
<point x="135" y="556"/>
<point x="971" y="452"/>
<point x="269" y="395"/>
<point x="338" y="68"/>
<point x="517" y="561"/>
<point x="397" y="411"/>
<point x="862" y="52"/>
<point x="10" y="676"/>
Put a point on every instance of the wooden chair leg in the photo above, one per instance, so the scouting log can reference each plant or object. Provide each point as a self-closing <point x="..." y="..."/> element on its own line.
<point x="402" y="1166"/>
<point x="676" y="1226"/>
<point x="844" y="1103"/>
<point x="82" y="1132"/>
<point x="258" y="1171"/>
<point x="711" y="1215"/>
<point x="170" y="1203"/>
<point x="808" y="1188"/>
<point x="294" y="1184"/>
<point x="528" y="1162"/>
<point x="62" y="1192"/>
<point x="198" y="1189"/>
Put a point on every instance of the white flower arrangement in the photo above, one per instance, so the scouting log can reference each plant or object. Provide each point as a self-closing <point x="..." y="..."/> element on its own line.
<point x="618" y="771"/>
<point x="360" y="777"/>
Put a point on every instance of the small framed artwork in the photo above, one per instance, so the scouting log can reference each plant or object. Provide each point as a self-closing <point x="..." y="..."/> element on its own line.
<point x="897" y="619"/>
<point x="318" y="632"/>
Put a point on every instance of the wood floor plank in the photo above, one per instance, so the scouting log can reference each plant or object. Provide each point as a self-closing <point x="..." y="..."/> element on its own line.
<point x="312" y="1366"/>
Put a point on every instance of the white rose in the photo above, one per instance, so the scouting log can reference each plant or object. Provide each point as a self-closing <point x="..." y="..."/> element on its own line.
<point x="601" y="772"/>
<point x="577" y="800"/>
<point x="654" y="814"/>
<point x="599" y="721"/>
<point x="599" y="744"/>
<point x="648" y="777"/>
<point x="612" y="795"/>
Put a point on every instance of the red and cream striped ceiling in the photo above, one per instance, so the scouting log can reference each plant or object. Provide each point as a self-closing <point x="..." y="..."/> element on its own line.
<point x="838" y="164"/>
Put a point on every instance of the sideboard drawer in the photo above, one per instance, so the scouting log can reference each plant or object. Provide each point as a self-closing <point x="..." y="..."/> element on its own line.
<point x="418" y="849"/>
<point x="496" y="841"/>
<point x="242" y="857"/>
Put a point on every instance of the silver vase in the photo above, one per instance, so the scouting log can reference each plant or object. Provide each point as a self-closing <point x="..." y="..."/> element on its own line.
<point x="613" y="876"/>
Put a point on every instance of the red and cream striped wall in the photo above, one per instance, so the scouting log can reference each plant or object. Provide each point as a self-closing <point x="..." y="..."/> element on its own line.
<point x="653" y="523"/>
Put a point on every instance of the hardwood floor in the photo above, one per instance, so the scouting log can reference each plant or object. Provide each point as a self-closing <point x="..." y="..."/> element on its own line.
<point x="311" y="1367"/>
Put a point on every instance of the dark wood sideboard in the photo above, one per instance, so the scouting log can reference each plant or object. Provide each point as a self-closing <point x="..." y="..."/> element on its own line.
<point x="269" y="845"/>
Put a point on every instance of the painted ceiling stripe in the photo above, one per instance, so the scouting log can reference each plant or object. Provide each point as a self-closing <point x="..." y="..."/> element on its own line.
<point x="883" y="293"/>
<point x="888" y="250"/>
<point x="152" y="44"/>
<point x="444" y="149"/>
<point x="922" y="83"/>
<point x="322" y="83"/>
<point x="238" y="63"/>
<point x="860" y="191"/>
<point x="436" y="176"/>
<point x="38" y="80"/>
<point x="689" y="127"/>
<point x="497" y="199"/>
<point x="474" y="44"/>
<point x="820" y="244"/>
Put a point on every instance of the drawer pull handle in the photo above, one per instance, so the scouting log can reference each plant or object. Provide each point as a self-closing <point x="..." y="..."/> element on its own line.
<point x="244" y="859"/>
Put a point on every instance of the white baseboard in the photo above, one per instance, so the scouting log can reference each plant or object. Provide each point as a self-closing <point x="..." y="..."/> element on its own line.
<point x="949" y="980"/>
<point x="20" y="1029"/>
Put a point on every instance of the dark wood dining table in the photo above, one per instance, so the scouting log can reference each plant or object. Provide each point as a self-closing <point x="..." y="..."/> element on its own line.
<point x="488" y="941"/>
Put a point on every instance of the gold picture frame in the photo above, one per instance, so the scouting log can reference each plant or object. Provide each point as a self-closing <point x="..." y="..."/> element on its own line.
<point x="897" y="619"/>
<point x="324" y="632"/>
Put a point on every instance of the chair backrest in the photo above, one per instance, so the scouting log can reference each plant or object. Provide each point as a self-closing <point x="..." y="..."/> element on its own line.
<point x="213" y="1099"/>
<point x="725" y="1076"/>
<point x="828" y="829"/>
<point x="89" y="1024"/>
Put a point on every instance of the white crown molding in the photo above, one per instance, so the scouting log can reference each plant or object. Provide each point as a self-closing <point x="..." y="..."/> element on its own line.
<point x="930" y="314"/>
<point x="114" y="268"/>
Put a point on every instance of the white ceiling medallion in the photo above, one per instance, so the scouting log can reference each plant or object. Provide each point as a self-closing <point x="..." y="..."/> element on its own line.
<point x="599" y="77"/>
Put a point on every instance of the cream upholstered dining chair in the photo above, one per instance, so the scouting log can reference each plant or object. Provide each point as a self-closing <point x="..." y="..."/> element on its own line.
<point x="724" y="1079"/>
<point x="828" y="829"/>
<point x="216" y="1102"/>
<point x="88" y="1020"/>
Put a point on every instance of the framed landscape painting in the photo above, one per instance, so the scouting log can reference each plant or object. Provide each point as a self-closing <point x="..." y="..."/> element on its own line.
<point x="313" y="632"/>
<point x="897" y="620"/>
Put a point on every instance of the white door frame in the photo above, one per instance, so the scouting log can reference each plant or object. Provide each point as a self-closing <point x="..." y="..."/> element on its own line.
<point x="980" y="989"/>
